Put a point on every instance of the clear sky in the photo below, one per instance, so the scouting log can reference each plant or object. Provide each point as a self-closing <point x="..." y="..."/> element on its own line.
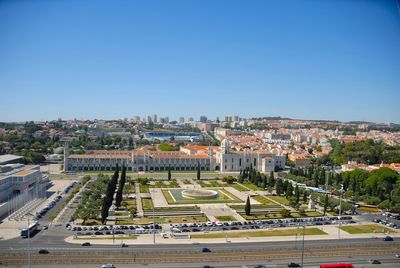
<point x="336" y="59"/>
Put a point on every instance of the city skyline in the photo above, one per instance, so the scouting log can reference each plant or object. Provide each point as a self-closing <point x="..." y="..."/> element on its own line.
<point x="322" y="60"/>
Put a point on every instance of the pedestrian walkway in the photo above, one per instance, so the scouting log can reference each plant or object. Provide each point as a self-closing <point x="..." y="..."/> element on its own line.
<point x="212" y="210"/>
<point x="139" y="207"/>
<point x="241" y="195"/>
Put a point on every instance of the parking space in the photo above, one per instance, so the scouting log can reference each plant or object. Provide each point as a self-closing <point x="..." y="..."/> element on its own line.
<point x="117" y="229"/>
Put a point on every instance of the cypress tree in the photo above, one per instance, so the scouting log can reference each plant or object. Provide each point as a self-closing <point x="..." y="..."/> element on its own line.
<point x="297" y="194"/>
<point x="305" y="196"/>
<point x="198" y="171"/>
<point x="289" y="190"/>
<point x="279" y="187"/>
<point x="118" y="197"/>
<point x="247" y="208"/>
<point x="169" y="173"/>
<point x="272" y="179"/>
<point x="264" y="182"/>
<point x="326" y="203"/>
<point x="104" y="210"/>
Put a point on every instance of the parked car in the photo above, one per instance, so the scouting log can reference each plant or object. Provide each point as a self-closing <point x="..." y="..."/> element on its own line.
<point x="109" y="265"/>
<point x="293" y="264"/>
<point x="86" y="244"/>
<point x="205" y="250"/>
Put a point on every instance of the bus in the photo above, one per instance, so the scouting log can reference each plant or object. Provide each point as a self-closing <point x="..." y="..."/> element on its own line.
<point x="30" y="230"/>
<point x="336" y="265"/>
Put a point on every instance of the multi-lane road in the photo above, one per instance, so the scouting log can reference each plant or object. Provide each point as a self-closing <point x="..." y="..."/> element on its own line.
<point x="275" y="254"/>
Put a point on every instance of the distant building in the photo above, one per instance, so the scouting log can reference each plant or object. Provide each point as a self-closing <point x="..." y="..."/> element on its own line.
<point x="154" y="118"/>
<point x="203" y="119"/>
<point x="263" y="161"/>
<point x="300" y="160"/>
<point x="187" y="159"/>
<point x="275" y="138"/>
<point x="10" y="159"/>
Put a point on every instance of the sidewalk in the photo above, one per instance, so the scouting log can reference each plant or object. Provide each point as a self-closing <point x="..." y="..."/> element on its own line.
<point x="139" y="207"/>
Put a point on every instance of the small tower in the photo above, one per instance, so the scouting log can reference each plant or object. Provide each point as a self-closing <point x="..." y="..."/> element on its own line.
<point x="225" y="146"/>
<point x="210" y="156"/>
<point x="66" y="142"/>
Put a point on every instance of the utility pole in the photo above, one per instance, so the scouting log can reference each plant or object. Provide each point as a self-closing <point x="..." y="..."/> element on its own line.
<point x="302" y="251"/>
<point x="154" y="226"/>
<point x="29" y="242"/>
<point x="340" y="209"/>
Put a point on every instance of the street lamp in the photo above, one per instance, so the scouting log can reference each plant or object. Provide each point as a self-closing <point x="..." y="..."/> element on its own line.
<point x="154" y="226"/>
<point x="29" y="242"/>
<point x="340" y="209"/>
<point x="302" y="251"/>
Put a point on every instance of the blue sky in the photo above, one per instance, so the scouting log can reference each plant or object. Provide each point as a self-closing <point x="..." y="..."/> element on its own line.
<point x="112" y="59"/>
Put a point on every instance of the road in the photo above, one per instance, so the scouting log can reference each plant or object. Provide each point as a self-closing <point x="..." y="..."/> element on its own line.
<point x="358" y="261"/>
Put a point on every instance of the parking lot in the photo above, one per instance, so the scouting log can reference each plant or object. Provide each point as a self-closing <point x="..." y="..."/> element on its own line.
<point x="117" y="229"/>
<point x="206" y="227"/>
<point x="261" y="224"/>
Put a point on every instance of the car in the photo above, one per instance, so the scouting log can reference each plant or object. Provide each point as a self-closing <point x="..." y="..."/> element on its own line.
<point x="374" y="261"/>
<point x="45" y="227"/>
<point x="86" y="244"/>
<point x="260" y="266"/>
<point x="207" y="266"/>
<point x="293" y="264"/>
<point x="205" y="250"/>
<point x="43" y="251"/>
<point x="388" y="238"/>
<point x="109" y="265"/>
<point x="397" y="255"/>
<point x="123" y="245"/>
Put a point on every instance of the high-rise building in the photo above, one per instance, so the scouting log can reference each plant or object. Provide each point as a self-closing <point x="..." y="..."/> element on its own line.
<point x="154" y="118"/>
<point x="181" y="120"/>
<point x="228" y="118"/>
<point x="203" y="119"/>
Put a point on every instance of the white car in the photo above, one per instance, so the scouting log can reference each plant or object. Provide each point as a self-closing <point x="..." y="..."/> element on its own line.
<point x="109" y="265"/>
<point x="397" y="255"/>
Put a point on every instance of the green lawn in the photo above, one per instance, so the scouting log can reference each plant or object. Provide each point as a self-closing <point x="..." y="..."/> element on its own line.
<point x="365" y="229"/>
<point x="253" y="187"/>
<point x="144" y="188"/>
<point x="239" y="187"/>
<point x="263" y="233"/>
<point x="225" y="218"/>
<point x="280" y="199"/>
<point x="147" y="203"/>
<point x="308" y="214"/>
<point x="211" y="183"/>
<point x="263" y="200"/>
<point x="268" y="216"/>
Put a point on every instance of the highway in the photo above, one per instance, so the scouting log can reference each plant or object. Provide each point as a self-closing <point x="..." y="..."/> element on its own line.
<point x="14" y="252"/>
